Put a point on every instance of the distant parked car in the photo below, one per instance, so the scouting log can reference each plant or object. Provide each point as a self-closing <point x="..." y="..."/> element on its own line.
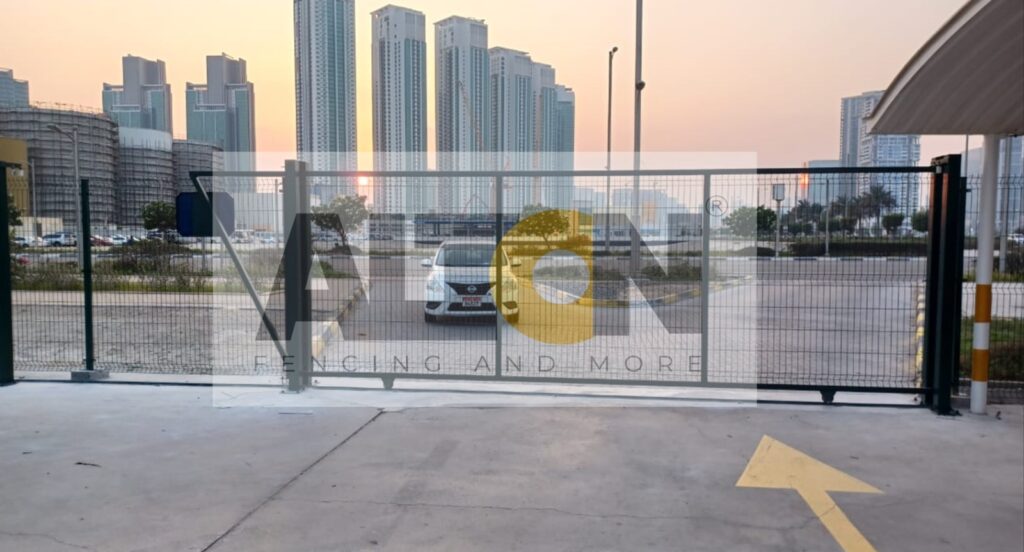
<point x="101" y="241"/>
<point x="60" y="239"/>
<point x="1016" y="238"/>
<point x="118" y="239"/>
<point x="22" y="241"/>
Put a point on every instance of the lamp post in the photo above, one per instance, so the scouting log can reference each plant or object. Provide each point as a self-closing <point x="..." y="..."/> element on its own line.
<point x="73" y="136"/>
<point x="634" y="240"/>
<point x="608" y="163"/>
<point x="778" y="194"/>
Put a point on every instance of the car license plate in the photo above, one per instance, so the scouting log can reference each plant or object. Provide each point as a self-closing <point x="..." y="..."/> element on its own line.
<point x="472" y="301"/>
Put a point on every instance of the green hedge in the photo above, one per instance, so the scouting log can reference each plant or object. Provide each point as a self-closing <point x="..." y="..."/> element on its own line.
<point x="861" y="248"/>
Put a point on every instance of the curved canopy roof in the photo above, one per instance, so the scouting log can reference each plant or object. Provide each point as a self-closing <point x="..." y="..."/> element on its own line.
<point x="967" y="79"/>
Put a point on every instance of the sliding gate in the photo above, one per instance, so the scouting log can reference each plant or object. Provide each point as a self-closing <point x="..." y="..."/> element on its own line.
<point x="805" y="279"/>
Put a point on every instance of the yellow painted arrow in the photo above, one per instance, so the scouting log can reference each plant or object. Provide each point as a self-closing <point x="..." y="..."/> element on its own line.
<point x="779" y="466"/>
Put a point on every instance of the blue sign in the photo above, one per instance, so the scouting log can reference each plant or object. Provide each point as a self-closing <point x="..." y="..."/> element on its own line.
<point x="195" y="216"/>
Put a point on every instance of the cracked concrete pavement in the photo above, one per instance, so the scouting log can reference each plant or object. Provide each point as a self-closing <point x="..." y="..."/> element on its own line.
<point x="123" y="468"/>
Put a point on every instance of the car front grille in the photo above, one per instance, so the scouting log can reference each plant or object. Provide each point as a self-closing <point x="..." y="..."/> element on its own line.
<point x="464" y="289"/>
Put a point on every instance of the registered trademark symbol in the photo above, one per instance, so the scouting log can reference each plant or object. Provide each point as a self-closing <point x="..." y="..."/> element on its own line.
<point x="717" y="206"/>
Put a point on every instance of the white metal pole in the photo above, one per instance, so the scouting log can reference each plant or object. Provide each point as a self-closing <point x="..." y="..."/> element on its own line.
<point x="983" y="275"/>
<point x="78" y="182"/>
<point x="1005" y="204"/>
<point x="608" y="163"/>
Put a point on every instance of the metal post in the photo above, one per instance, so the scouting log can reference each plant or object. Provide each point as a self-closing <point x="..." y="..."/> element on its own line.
<point x="778" y="225"/>
<point x="828" y="215"/>
<point x="705" y="279"/>
<point x="6" y="311"/>
<point x="36" y="226"/>
<point x="608" y="163"/>
<point x="1005" y="230"/>
<point x="634" y="234"/>
<point x="298" y="302"/>
<point x="944" y="283"/>
<point x="86" y="247"/>
<point x="499" y="233"/>
<point x="983" y="275"/>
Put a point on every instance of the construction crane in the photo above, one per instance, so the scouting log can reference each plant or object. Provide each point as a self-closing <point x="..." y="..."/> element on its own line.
<point x="471" y="115"/>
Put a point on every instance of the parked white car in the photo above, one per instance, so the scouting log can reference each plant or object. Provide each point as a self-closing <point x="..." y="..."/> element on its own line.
<point x="60" y="239"/>
<point x="461" y="282"/>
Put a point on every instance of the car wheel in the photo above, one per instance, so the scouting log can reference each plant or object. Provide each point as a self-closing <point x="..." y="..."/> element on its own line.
<point x="429" y="318"/>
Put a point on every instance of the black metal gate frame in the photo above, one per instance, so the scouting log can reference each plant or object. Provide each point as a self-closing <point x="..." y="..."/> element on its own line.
<point x="944" y="256"/>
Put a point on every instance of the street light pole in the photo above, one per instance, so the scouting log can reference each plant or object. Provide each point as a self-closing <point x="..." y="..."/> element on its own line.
<point x="634" y="248"/>
<point x="608" y="163"/>
<point x="73" y="136"/>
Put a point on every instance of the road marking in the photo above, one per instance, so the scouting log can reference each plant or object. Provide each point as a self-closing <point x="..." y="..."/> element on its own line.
<point x="776" y="465"/>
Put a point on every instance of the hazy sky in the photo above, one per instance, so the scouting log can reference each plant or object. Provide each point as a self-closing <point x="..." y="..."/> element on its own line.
<point x="724" y="75"/>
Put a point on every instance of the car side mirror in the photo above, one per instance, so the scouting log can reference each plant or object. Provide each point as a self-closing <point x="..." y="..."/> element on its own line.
<point x="426" y="263"/>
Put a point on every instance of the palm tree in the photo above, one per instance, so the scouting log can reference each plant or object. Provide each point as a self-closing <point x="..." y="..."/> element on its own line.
<point x="874" y="201"/>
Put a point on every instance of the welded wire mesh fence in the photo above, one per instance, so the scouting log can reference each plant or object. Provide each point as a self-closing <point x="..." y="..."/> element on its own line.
<point x="811" y="279"/>
<point x="1006" y="336"/>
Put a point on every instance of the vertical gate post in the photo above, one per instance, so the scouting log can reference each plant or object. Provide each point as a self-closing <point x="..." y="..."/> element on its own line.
<point x="705" y="278"/>
<point x="298" y="261"/>
<point x="499" y="299"/>
<point x="6" y="311"/>
<point x="945" y="281"/>
<point x="88" y="372"/>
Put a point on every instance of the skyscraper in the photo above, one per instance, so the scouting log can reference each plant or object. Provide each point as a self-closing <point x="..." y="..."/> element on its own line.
<point x="399" y="52"/>
<point x="562" y="193"/>
<point x="462" y="77"/>
<point x="222" y="112"/>
<point x="860" y="149"/>
<point x="13" y="92"/>
<point x="144" y="98"/>
<point x="513" y="121"/>
<point x="325" y="88"/>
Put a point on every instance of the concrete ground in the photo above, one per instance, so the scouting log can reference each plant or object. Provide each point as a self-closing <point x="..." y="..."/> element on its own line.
<point x="136" y="467"/>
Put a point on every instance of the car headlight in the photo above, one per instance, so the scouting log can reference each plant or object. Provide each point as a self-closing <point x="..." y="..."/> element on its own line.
<point x="434" y="283"/>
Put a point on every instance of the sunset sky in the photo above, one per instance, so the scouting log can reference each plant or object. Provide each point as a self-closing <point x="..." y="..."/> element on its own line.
<point x="725" y="75"/>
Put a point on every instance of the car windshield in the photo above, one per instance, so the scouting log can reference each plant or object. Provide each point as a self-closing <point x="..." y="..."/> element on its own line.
<point x="467" y="254"/>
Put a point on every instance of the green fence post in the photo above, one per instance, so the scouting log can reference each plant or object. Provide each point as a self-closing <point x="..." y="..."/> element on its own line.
<point x="89" y="372"/>
<point x="6" y="311"/>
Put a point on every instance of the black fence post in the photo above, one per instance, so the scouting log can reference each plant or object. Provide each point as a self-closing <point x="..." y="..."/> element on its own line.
<point x="88" y="373"/>
<point x="6" y="309"/>
<point x="945" y="283"/>
<point x="90" y="345"/>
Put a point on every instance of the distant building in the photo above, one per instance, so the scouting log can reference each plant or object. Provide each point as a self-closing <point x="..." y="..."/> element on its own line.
<point x="55" y="192"/>
<point x="513" y="121"/>
<point x="325" y="90"/>
<point x="463" y="103"/>
<point x="15" y="152"/>
<point x="878" y="151"/>
<point x="222" y="112"/>
<point x="192" y="156"/>
<point x="144" y="98"/>
<point x="823" y="189"/>
<point x="1010" y="199"/>
<point x="145" y="174"/>
<point x="399" y="54"/>
<point x="13" y="92"/>
<point x="562" y="193"/>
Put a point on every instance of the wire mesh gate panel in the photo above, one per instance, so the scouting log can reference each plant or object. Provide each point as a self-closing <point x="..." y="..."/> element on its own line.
<point x="773" y="278"/>
<point x="770" y="278"/>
